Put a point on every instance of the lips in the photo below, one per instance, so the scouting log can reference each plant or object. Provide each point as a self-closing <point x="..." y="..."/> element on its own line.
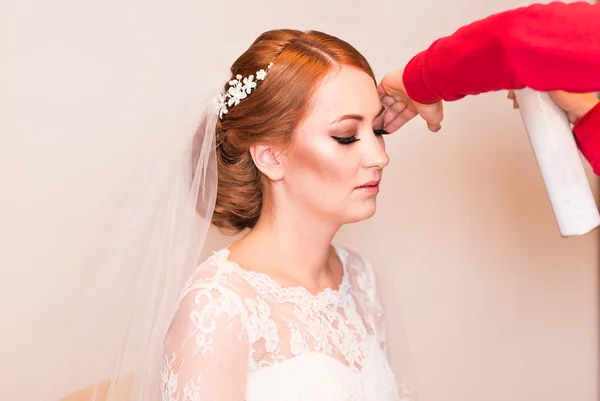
<point x="371" y="188"/>
<point x="369" y="184"/>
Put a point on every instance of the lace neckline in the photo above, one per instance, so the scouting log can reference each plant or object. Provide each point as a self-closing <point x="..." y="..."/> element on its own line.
<point x="264" y="281"/>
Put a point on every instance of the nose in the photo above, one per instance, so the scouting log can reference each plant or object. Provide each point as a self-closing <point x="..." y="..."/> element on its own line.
<point x="375" y="155"/>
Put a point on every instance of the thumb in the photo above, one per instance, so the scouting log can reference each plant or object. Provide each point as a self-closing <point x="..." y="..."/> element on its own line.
<point x="434" y="127"/>
<point x="433" y="114"/>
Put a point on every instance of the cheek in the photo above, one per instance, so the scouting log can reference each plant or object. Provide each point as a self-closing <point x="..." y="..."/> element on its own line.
<point x="324" y="162"/>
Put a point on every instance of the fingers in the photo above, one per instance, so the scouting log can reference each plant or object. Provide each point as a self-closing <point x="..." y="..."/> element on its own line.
<point x="387" y="101"/>
<point x="433" y="114"/>
<point x="394" y="125"/>
<point x="381" y="91"/>
<point x="393" y="117"/>
<point x="392" y="83"/>
<point x="434" y="127"/>
<point x="399" y="119"/>
<point x="394" y="110"/>
<point x="399" y="108"/>
<point x="511" y="95"/>
<point x="576" y="105"/>
<point x="398" y="113"/>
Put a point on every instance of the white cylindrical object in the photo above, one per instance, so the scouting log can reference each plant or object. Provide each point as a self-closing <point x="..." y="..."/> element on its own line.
<point x="559" y="160"/>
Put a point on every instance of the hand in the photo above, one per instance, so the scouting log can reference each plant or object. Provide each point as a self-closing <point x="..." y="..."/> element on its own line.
<point x="576" y="105"/>
<point x="400" y="108"/>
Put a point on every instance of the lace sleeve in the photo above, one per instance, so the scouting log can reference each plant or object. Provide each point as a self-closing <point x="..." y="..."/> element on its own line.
<point x="207" y="349"/>
<point x="377" y="307"/>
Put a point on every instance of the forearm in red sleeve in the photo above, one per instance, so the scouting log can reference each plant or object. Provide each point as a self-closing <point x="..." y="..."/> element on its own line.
<point x="543" y="46"/>
<point x="587" y="134"/>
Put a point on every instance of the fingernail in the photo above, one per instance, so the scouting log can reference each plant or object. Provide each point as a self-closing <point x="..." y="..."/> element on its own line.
<point x="439" y="127"/>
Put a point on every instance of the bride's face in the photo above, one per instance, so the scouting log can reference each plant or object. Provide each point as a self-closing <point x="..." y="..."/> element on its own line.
<point x="335" y="163"/>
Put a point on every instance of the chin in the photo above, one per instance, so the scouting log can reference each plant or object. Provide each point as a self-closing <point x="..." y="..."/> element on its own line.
<point x="364" y="212"/>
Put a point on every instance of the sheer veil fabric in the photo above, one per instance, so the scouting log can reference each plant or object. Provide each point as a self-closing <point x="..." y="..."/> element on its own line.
<point x="65" y="65"/>
<point x="152" y="234"/>
<point x="160" y="218"/>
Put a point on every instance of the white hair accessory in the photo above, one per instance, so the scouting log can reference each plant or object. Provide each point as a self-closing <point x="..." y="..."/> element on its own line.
<point x="239" y="88"/>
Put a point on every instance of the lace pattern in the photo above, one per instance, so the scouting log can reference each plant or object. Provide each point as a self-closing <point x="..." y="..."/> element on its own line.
<point x="232" y="326"/>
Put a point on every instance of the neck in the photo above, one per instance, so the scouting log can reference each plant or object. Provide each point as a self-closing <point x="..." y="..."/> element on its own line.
<point x="302" y="240"/>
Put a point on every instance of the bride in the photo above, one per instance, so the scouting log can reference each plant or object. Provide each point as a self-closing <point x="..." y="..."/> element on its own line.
<point x="291" y="150"/>
<point x="282" y="313"/>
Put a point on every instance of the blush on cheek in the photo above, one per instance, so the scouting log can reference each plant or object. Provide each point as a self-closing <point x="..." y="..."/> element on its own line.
<point x="326" y="160"/>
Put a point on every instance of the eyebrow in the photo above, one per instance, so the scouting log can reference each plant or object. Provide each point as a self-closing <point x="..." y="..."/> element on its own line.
<point x="356" y="117"/>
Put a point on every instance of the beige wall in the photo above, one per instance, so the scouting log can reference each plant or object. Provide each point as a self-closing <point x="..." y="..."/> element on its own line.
<point x="496" y="305"/>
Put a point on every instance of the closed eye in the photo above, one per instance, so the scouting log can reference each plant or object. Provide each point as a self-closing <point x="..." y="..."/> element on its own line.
<point x="348" y="140"/>
<point x="345" y="140"/>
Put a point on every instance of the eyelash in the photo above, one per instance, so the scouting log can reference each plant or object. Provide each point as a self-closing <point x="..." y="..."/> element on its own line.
<point x="349" y="140"/>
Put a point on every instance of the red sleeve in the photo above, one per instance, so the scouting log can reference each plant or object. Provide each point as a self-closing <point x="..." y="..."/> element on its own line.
<point x="543" y="46"/>
<point x="587" y="134"/>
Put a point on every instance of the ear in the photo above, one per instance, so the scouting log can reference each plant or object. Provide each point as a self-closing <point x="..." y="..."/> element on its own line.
<point x="266" y="159"/>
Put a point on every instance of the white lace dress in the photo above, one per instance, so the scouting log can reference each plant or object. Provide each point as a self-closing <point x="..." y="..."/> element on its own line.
<point x="238" y="335"/>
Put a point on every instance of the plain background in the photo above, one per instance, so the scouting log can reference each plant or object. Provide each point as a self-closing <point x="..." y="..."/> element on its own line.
<point x="496" y="305"/>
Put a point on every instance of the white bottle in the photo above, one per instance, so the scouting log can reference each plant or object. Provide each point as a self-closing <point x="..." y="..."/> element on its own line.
<point x="559" y="160"/>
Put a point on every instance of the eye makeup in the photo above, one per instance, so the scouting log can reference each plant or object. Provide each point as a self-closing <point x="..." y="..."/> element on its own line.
<point x="348" y="140"/>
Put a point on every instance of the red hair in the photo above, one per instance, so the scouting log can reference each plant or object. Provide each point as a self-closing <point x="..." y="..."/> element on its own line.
<point x="271" y="113"/>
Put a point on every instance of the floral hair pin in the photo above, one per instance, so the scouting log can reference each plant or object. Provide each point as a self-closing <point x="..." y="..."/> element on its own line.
<point x="239" y="89"/>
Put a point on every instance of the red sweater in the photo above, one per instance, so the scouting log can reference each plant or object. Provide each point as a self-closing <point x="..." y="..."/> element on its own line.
<point x="543" y="46"/>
